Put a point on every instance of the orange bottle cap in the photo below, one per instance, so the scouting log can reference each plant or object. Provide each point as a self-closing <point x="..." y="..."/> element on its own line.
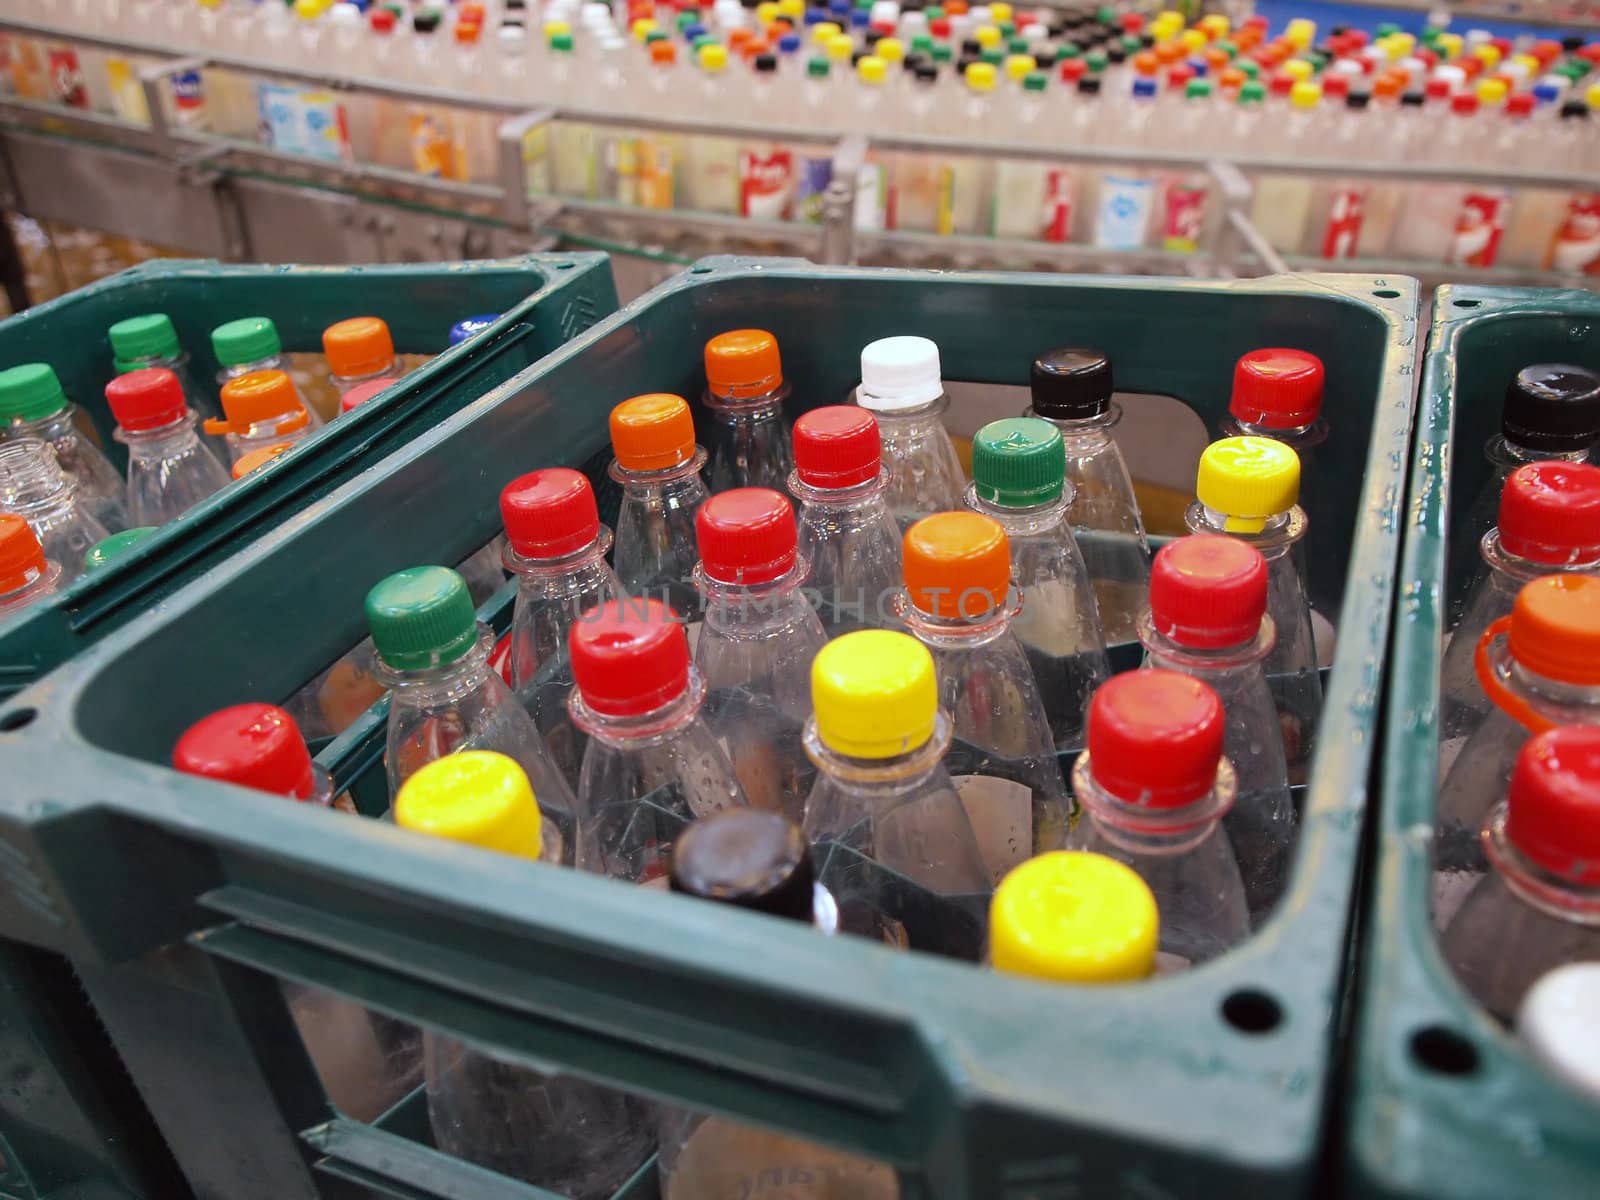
<point x="1555" y="628"/>
<point x="743" y="363"/>
<point x="954" y="8"/>
<point x="1168" y="53"/>
<point x="21" y="558"/>
<point x="957" y="565"/>
<point x="1217" y="59"/>
<point x="257" y="459"/>
<point x="1388" y="85"/>
<point x="652" y="433"/>
<point x="359" y="346"/>
<point x="739" y="37"/>
<point x="1146" y="63"/>
<point x="257" y="397"/>
<point x="663" y="53"/>
<point x="1231" y="79"/>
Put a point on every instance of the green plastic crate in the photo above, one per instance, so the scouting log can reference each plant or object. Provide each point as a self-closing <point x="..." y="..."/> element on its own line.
<point x="976" y="1087"/>
<point x="1444" y="1102"/>
<point x="545" y="299"/>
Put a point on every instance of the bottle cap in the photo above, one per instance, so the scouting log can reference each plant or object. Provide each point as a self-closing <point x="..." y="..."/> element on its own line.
<point x="253" y="745"/>
<point x="362" y="392"/>
<point x="1553" y="803"/>
<point x="474" y="796"/>
<point x="841" y="48"/>
<point x="1248" y="479"/>
<point x="1553" y="407"/>
<point x="147" y="336"/>
<point x="247" y="340"/>
<point x="746" y="536"/>
<point x="821" y="31"/>
<point x="874" y="693"/>
<point x="980" y="76"/>
<point x="1198" y="89"/>
<point x="103" y="551"/>
<point x="1018" y="462"/>
<point x="817" y="68"/>
<point x="421" y="617"/>
<point x="1144" y="88"/>
<point x="1252" y="92"/>
<point x="629" y="657"/>
<point x="1278" y="388"/>
<point x="1556" y="1023"/>
<point x="382" y="20"/>
<point x="21" y="557"/>
<point x="1019" y="66"/>
<point x="30" y="392"/>
<point x="471" y="327"/>
<point x="358" y="346"/>
<point x="549" y="513"/>
<point x="957" y="565"/>
<point x="1550" y="512"/>
<point x="1071" y="384"/>
<point x="249" y="463"/>
<point x="987" y="36"/>
<point x="1305" y="95"/>
<point x="1464" y="104"/>
<point x="652" y="432"/>
<point x="747" y="858"/>
<point x="743" y="364"/>
<point x="1208" y="592"/>
<point x="1555" y="628"/>
<point x="1074" y="917"/>
<point x="899" y="373"/>
<point x="149" y="398"/>
<point x="837" y="447"/>
<point x="890" y="49"/>
<point x="1036" y="81"/>
<point x="1521" y="105"/>
<point x="259" y="396"/>
<point x="1155" y="738"/>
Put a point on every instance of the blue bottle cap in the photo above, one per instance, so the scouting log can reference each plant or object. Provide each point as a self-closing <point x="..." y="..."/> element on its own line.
<point x="690" y="32"/>
<point x="860" y="19"/>
<point x="462" y="330"/>
<point x="815" y="16"/>
<point x="1200" y="67"/>
<point x="1144" y="88"/>
<point x="789" y="43"/>
<point x="1546" y="93"/>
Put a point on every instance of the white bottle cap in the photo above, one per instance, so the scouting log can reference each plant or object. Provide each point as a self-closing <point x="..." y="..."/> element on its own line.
<point x="511" y="37"/>
<point x="1454" y="75"/>
<point x="1349" y="66"/>
<point x="344" y="13"/>
<point x="1559" y="82"/>
<point x="1414" y="68"/>
<point x="980" y="14"/>
<point x="899" y="373"/>
<point x="1560" y="1024"/>
<point x="1478" y="37"/>
<point x="960" y="25"/>
<point x="885" y="10"/>
<point x="913" y="23"/>
<point x="1036" y="33"/>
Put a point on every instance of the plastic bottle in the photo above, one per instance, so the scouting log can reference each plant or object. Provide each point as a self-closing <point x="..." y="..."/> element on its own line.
<point x="744" y="394"/>
<point x="658" y="465"/>
<point x="169" y="470"/>
<point x="34" y="487"/>
<point x="151" y="341"/>
<point x="1154" y="786"/>
<point x="1071" y="917"/>
<point x="847" y="533"/>
<point x="263" y="409"/>
<point x="32" y="405"/>
<point x="652" y="764"/>
<point x="359" y="350"/>
<point x="884" y="820"/>
<point x="1556" y="1024"/>
<point x="26" y="575"/>
<point x="1277" y="394"/>
<point x="103" y="553"/>
<point x="1539" y="906"/>
<point x="1072" y="389"/>
<point x="1018" y="471"/>
<point x="246" y="346"/>
<point x="902" y="388"/>
<point x="256" y="746"/>
<point x="434" y="657"/>
<point x="553" y="1130"/>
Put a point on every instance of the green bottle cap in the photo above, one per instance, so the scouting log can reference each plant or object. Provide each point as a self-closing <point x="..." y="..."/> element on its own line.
<point x="817" y="68"/>
<point x="1198" y="89"/>
<point x="1253" y="92"/>
<point x="1018" y="462"/>
<point x="922" y="44"/>
<point x="1317" y="59"/>
<point x="942" y="53"/>
<point x="1250" y="69"/>
<point x="686" y="19"/>
<point x="705" y="39"/>
<point x="1096" y="61"/>
<point x="1105" y="14"/>
<point x="30" y="392"/>
<point x="561" y="42"/>
<point x="1068" y="50"/>
<point x="864" y="4"/>
<point x="1132" y="44"/>
<point x="1384" y="29"/>
<point x="104" y="551"/>
<point x="1229" y="49"/>
<point x="1007" y="28"/>
<point x="1017" y="45"/>
<point x="993" y="55"/>
<point x="1034" y="81"/>
<point x="933" y="11"/>
<point x="422" y="617"/>
<point x="655" y="35"/>
<point x="247" y="340"/>
<point x="143" y="338"/>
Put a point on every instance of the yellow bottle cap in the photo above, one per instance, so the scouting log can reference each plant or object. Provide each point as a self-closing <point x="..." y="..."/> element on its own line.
<point x="1490" y="55"/>
<point x="1298" y="69"/>
<point x="872" y="69"/>
<point x="1192" y="39"/>
<point x="1449" y="45"/>
<point x="1527" y="62"/>
<point x="309" y="10"/>
<point x="981" y="76"/>
<point x="1300" y="33"/>
<point x="823" y="30"/>
<point x="1492" y="91"/>
<point x="890" y="49"/>
<point x="1018" y="66"/>
<point x="473" y="796"/>
<point x="874" y="693"/>
<point x="988" y="36"/>
<point x="1170" y="16"/>
<point x="1400" y="44"/>
<point x="713" y="56"/>
<point x="1167" y="25"/>
<point x="551" y="28"/>
<point x="999" y="12"/>
<point x="644" y="27"/>
<point x="767" y="12"/>
<point x="1592" y="95"/>
<point x="1074" y="917"/>
<point x="1304" y="95"/>
<point x="840" y="47"/>
<point x="792" y="8"/>
<point x="1217" y="25"/>
<point x="1248" y="479"/>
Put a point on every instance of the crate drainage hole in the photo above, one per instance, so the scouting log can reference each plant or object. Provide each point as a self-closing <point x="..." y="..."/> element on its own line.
<point x="1468" y="303"/>
<point x="1444" y="1051"/>
<point x="699" y="270"/>
<point x="1250" y="1011"/>
<point x="1387" y="294"/>
<point x="17" y="718"/>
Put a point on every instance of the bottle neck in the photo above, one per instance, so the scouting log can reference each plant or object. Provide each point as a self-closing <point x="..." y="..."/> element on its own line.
<point x="1084" y="434"/>
<point x="1168" y="652"/>
<point x="1301" y="437"/>
<point x="390" y="370"/>
<point x="274" y="363"/>
<point x="52" y="428"/>
<point x="581" y="571"/>
<point x="1027" y="521"/>
<point x="735" y="605"/>
<point x="1277" y="533"/>
<point x="956" y="633"/>
<point x="676" y="480"/>
<point x="1503" y="452"/>
<point x="32" y="483"/>
<point x="886" y="777"/>
<point x="652" y="728"/>
<point x="735" y="410"/>
<point x="445" y="682"/>
<point x="1525" y="570"/>
<point x="1141" y="829"/>
<point x="1538" y="689"/>
<point x="168" y="441"/>
<point x="917" y="414"/>
<point x="39" y="583"/>
<point x="1552" y="894"/>
<point x="860" y="496"/>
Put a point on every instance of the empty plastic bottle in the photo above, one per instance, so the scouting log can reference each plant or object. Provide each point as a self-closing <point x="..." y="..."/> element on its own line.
<point x="26" y="575"/>
<point x="1072" y="389"/>
<point x="847" y="533"/>
<point x="658" y="465"/>
<point x="902" y="387"/>
<point x="107" y="551"/>
<point x="169" y="469"/>
<point x="1248" y="488"/>
<point x="1154" y="785"/>
<point x="1018" y="480"/>
<point x="150" y="340"/>
<point x="557" y="1131"/>
<point x="1556" y="1023"/>
<point x="434" y="657"/>
<point x="887" y="827"/>
<point x="557" y="549"/>
<point x="1207" y="619"/>
<point x="32" y="405"/>
<point x="1072" y="917"/>
<point x="263" y="410"/>
<point x="359" y="350"/>
<point x="33" y="486"/>
<point x="1539" y="905"/>
<point x="745" y="392"/>
<point x="652" y="764"/>
<point x="471" y="327"/>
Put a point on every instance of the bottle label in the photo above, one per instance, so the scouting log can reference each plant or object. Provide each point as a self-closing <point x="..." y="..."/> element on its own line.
<point x="127" y="97"/>
<point x="712" y="180"/>
<point x="872" y="200"/>
<point x="66" y="77"/>
<point x="766" y="183"/>
<point x="1123" y="217"/>
<point x="1479" y="227"/>
<point x="1183" y="218"/>
<point x="279" y="108"/>
<point x="1576" y="245"/>
<point x="621" y="158"/>
<point x="1057" y="205"/>
<point x="1001" y="813"/>
<point x="657" y="167"/>
<point x="189" y="96"/>
<point x="1343" y="230"/>
<point x="300" y="122"/>
<point x="536" y="160"/>
<point x="811" y="184"/>
<point x="431" y="151"/>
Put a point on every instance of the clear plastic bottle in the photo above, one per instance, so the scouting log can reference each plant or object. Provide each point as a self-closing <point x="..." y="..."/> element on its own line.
<point x="652" y="764"/>
<point x="745" y="393"/>
<point x="1072" y="389"/>
<point x="1154" y="785"/>
<point x="32" y="405"/>
<point x="1018" y="472"/>
<point x="1539" y="905"/>
<point x="263" y="409"/>
<point x="1208" y="619"/>
<point x="26" y="575"/>
<point x="1248" y="488"/>
<point x="556" y="1131"/>
<point x="847" y="533"/>
<point x="1072" y="917"/>
<point x="1277" y="394"/>
<point x="884" y="820"/>
<point x="658" y="465"/>
<point x="150" y="340"/>
<point x="557" y="548"/>
<point x="107" y="551"/>
<point x="33" y="486"/>
<point x="359" y="350"/>
<point x="434" y="657"/>
<point x="249" y="345"/>
<point x="1551" y="410"/>
<point x="1556" y="1023"/>
<point x="169" y="469"/>
<point x="901" y="387"/>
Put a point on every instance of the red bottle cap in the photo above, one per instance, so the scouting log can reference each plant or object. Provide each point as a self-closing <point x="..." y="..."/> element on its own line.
<point x="1131" y="22"/>
<point x="1358" y="38"/>
<point x="1553" y="805"/>
<point x="254" y="745"/>
<point x="549" y="513"/>
<point x="1547" y="50"/>
<point x="1257" y="22"/>
<point x="1521" y="105"/>
<point x="1464" y="104"/>
<point x="21" y="556"/>
<point x="1550" y="512"/>
<point x="146" y="399"/>
<point x="1471" y="64"/>
<point x="1179" y="76"/>
<point x="1430" y="58"/>
<point x="1501" y="44"/>
<point x="382" y="20"/>
<point x="837" y="447"/>
<point x="1208" y="591"/>
<point x="1277" y="387"/>
<point x="362" y="392"/>
<point x="629" y="657"/>
<point x="746" y="536"/>
<point x="939" y="27"/>
<point x="1335" y="85"/>
<point x="1282" y="84"/>
<point x="1073" y="69"/>
<point x="1155" y="738"/>
<point x="1437" y="89"/>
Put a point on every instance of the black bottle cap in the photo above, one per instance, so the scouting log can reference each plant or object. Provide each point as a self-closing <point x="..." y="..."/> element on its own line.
<point x="1071" y="383"/>
<point x="857" y="55"/>
<point x="425" y="21"/>
<point x="1338" y="30"/>
<point x="1574" y="108"/>
<point x="1554" y="407"/>
<point x="872" y="37"/>
<point x="971" y="46"/>
<point x="1116" y="54"/>
<point x="1146" y="40"/>
<point x="1571" y="42"/>
<point x="912" y="61"/>
<point x="1358" y="100"/>
<point x="766" y="63"/>
<point x="1045" y="57"/>
<point x="927" y="72"/>
<point x="1412" y="100"/>
<point x="1089" y="85"/>
<point x="749" y="858"/>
